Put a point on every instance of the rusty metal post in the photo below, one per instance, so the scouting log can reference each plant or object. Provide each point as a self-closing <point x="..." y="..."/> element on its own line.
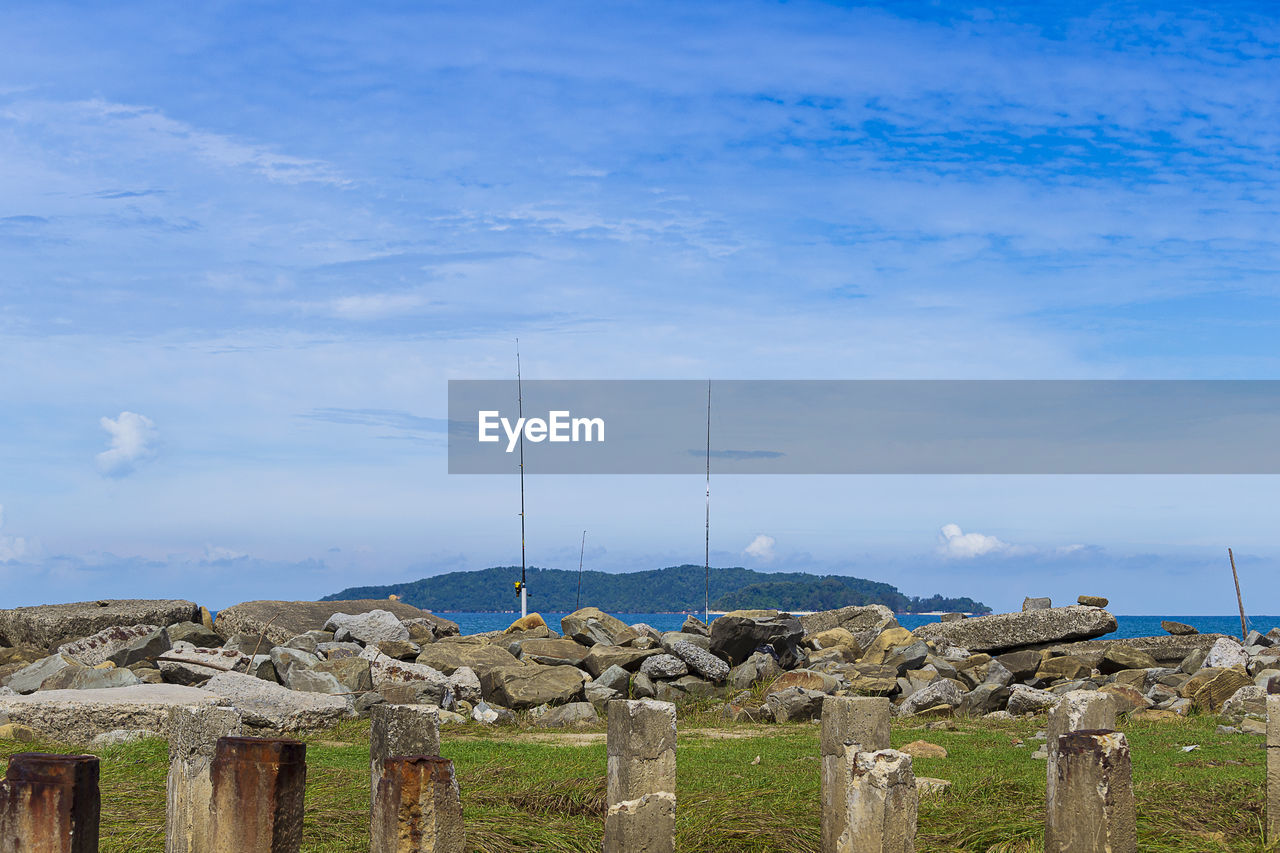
<point x="417" y="807"/>
<point x="400" y="730"/>
<point x="258" y="788"/>
<point x="50" y="804"/>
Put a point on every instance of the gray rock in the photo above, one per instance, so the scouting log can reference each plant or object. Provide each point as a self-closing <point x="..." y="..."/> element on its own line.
<point x="269" y="706"/>
<point x="590" y="626"/>
<point x="119" y="645"/>
<point x="77" y="716"/>
<point x="1193" y="662"/>
<point x="984" y="699"/>
<point x="1226" y="653"/>
<point x="998" y="674"/>
<point x="50" y="625"/>
<point x="694" y="625"/>
<point x="553" y="652"/>
<point x="303" y="643"/>
<point x="373" y="626"/>
<point x="794" y="704"/>
<point x="1178" y="628"/>
<point x="86" y="678"/>
<point x="642" y="687"/>
<point x="119" y="736"/>
<point x="572" y="714"/>
<point x="865" y="623"/>
<point x="351" y="674"/>
<point x="465" y="685"/>
<point x="1092" y="601"/>
<point x="338" y="651"/>
<point x="759" y="667"/>
<point x="615" y="678"/>
<point x="1036" y="604"/>
<point x="29" y="678"/>
<point x="1014" y="630"/>
<point x="702" y="662"/>
<point x="192" y="632"/>
<point x="911" y="656"/>
<point x="388" y="670"/>
<point x="1029" y="700"/>
<point x="736" y="635"/>
<point x="312" y="681"/>
<point x="1250" y="701"/>
<point x="286" y="660"/>
<point x="670" y="638"/>
<point x="282" y="620"/>
<point x="664" y="666"/>
<point x="520" y="687"/>
<point x="1257" y="638"/>
<point x="939" y="693"/>
<point x="600" y="696"/>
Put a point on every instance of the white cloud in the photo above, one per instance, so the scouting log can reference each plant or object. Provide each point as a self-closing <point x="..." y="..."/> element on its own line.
<point x="133" y="440"/>
<point x="955" y="544"/>
<point x="761" y="548"/>
<point x="11" y="547"/>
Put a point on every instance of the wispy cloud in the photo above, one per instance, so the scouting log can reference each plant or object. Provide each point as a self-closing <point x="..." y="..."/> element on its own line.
<point x="761" y="548"/>
<point x="133" y="439"/>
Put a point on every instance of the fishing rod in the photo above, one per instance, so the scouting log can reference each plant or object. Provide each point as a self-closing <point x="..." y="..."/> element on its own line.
<point x="706" y="612"/>
<point x="578" y="604"/>
<point x="521" y="587"/>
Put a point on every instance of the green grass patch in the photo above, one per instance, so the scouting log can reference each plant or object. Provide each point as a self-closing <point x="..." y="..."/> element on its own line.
<point x="536" y="790"/>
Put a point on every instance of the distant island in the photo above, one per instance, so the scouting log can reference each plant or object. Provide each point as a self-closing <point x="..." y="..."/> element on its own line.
<point x="670" y="590"/>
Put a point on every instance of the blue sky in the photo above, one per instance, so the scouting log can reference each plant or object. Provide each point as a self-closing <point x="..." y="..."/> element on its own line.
<point x="243" y="248"/>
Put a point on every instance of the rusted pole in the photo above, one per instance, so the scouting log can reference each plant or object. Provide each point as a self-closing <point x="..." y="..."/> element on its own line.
<point x="400" y="730"/>
<point x="1244" y="627"/>
<point x="50" y="804"/>
<point x="258" y="788"/>
<point x="417" y="807"/>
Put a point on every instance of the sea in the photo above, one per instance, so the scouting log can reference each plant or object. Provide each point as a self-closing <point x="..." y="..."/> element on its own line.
<point x="1127" y="626"/>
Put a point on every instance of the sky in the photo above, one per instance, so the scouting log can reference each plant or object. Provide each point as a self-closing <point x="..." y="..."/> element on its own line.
<point x="243" y="248"/>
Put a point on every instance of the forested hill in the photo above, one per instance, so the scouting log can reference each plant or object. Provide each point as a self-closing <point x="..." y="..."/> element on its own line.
<point x="672" y="589"/>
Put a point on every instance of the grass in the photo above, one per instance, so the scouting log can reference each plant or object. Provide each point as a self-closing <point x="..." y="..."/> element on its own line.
<point x="535" y="790"/>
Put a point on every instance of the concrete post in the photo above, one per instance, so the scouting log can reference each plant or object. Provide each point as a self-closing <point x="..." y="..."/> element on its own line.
<point x="1093" y="809"/>
<point x="1077" y="710"/>
<point x="641" y="787"/>
<point x="258" y="788"/>
<point x="417" y="807"/>
<point x="861" y="721"/>
<point x="50" y="804"/>
<point x="1273" y="768"/>
<point x="401" y="730"/>
<point x="881" y="803"/>
<point x="193" y="736"/>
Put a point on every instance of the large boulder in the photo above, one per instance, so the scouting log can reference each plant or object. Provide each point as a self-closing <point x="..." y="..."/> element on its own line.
<point x="737" y="634"/>
<point x="1004" y="631"/>
<point x="701" y="662"/>
<point x="448" y="657"/>
<point x="375" y="626"/>
<point x="553" y="652"/>
<point x="77" y="716"/>
<point x="865" y="623"/>
<point x="29" y="678"/>
<point x="1225" y="653"/>
<point x="270" y="707"/>
<point x="388" y="670"/>
<point x="601" y="657"/>
<point x="283" y="620"/>
<point x="944" y="692"/>
<point x="518" y="687"/>
<point x="50" y="625"/>
<point x="121" y="646"/>
<point x="590" y="626"/>
<point x="1165" y="649"/>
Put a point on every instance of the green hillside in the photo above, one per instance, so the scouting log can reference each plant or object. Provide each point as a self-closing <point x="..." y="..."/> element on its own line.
<point x="671" y="589"/>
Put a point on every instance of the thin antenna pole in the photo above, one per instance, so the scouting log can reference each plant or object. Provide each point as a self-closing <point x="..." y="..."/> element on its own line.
<point x="706" y="612"/>
<point x="578" y="603"/>
<point x="1244" y="628"/>
<point x="524" y="592"/>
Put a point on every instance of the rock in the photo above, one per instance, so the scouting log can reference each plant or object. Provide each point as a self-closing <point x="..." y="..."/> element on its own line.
<point x="1167" y="649"/>
<point x="928" y="787"/>
<point x="1193" y="662"/>
<point x="616" y="678"/>
<point x="983" y="699"/>
<point x="642" y="686"/>
<point x="600" y="696"/>
<point x="664" y="666"/>
<point x="1014" y="630"/>
<point x="269" y="706"/>
<point x="1092" y="601"/>
<point x="29" y="678"/>
<point x="527" y="623"/>
<point x="1068" y="667"/>
<point x="88" y="678"/>
<point x="838" y="638"/>
<point x="337" y="651"/>
<point x="686" y="686"/>
<point x="1180" y="629"/>
<point x="119" y="736"/>
<point x="806" y="678"/>
<point x="1251" y="726"/>
<point x="793" y="704"/>
<point x="50" y="625"/>
<point x="759" y="667"/>
<point x="1248" y="701"/>
<point x="881" y="647"/>
<point x="694" y="625"/>
<point x="465" y="684"/>
<point x="1120" y="657"/>
<point x="423" y="630"/>
<point x="554" y="652"/>
<point x="701" y="662"/>
<point x="120" y="645"/>
<point x="670" y="638"/>
<point x="384" y="670"/>
<point x="1127" y="698"/>
<point x="1152" y="715"/>
<point x="590" y="626"/>
<point x="864" y="623"/>
<point x="1036" y="604"/>
<point x="1226" y="653"/>
<point x="290" y="618"/>
<point x="77" y="716"/>
<point x="572" y="714"/>
<point x="952" y="617"/>
<point x="399" y="649"/>
<point x="1219" y="689"/>
<point x="907" y="657"/>
<point x="601" y="657"/>
<point x="17" y="732"/>
<point x="998" y="674"/>
<point x="923" y="749"/>
<point x="21" y="655"/>
<point x="519" y="687"/>
<point x="1257" y="638"/>
<point x="943" y="692"/>
<point x="871" y="680"/>
<point x="351" y="674"/>
<point x="1028" y="700"/>
<point x="194" y="633"/>
<point x="193" y="667"/>
<point x="447" y="657"/>
<point x="286" y="660"/>
<point x="736" y="635"/>
<point x="373" y="626"/>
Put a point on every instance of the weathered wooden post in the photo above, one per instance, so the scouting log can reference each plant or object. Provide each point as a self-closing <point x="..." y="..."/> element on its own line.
<point x="258" y="788"/>
<point x="50" y="804"/>
<point x="193" y="736"/>
<point x="1092" y="807"/>
<point x="417" y="807"/>
<point x="1273" y="768"/>
<point x="881" y="803"/>
<point x="641" y="787"/>
<point x="861" y="721"/>
<point x="1075" y="711"/>
<point x="401" y="730"/>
